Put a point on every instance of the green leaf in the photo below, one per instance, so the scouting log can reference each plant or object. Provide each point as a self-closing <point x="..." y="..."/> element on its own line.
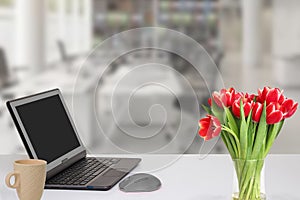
<point x="218" y="112"/>
<point x="207" y="109"/>
<point x="233" y="139"/>
<point x="261" y="154"/>
<point x="250" y="133"/>
<point x="280" y="126"/>
<point x="260" y="135"/>
<point x="223" y="136"/>
<point x="231" y="121"/>
<point x="226" y="140"/>
<point x="269" y="131"/>
<point x="233" y="144"/>
<point x="251" y="129"/>
<point x="272" y="134"/>
<point x="249" y="121"/>
<point x="243" y="133"/>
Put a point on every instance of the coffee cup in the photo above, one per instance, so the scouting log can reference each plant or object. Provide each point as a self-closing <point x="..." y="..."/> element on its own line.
<point x="30" y="177"/>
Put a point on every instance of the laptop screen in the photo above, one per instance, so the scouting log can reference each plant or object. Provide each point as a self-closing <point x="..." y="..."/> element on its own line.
<point x="48" y="127"/>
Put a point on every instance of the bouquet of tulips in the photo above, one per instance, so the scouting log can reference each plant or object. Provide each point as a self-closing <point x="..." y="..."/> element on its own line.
<point x="248" y="125"/>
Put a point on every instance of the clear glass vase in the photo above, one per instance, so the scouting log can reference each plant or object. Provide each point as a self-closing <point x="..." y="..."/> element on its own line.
<point x="249" y="180"/>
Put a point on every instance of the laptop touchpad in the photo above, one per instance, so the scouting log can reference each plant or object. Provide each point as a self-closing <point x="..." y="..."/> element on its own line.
<point x="115" y="172"/>
<point x="108" y="179"/>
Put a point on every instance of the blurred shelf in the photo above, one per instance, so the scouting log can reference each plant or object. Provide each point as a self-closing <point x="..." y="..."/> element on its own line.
<point x="189" y="5"/>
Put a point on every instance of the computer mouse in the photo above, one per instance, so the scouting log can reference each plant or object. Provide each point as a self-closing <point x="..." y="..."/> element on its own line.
<point x="140" y="182"/>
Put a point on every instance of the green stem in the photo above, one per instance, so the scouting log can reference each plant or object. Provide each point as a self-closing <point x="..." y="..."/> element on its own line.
<point x="228" y="144"/>
<point x="249" y="174"/>
<point x="234" y="141"/>
<point x="260" y="135"/>
<point x="272" y="134"/>
<point x="250" y="188"/>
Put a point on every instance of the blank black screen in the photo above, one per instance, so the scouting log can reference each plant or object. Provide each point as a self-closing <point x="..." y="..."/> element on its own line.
<point x="48" y="128"/>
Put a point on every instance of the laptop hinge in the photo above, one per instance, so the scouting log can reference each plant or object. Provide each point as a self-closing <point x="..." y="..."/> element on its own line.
<point x="65" y="164"/>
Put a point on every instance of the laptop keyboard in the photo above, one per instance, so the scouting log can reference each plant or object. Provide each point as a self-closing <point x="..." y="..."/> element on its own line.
<point x="83" y="171"/>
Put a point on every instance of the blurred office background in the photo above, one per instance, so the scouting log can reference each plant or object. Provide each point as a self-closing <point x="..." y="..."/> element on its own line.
<point x="42" y="42"/>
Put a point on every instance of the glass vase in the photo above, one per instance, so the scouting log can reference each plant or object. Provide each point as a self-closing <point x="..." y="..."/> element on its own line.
<point x="249" y="180"/>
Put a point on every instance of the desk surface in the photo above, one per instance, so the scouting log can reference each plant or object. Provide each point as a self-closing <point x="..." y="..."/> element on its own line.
<point x="184" y="177"/>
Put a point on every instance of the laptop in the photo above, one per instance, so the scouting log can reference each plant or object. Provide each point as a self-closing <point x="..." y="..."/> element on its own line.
<point x="48" y="133"/>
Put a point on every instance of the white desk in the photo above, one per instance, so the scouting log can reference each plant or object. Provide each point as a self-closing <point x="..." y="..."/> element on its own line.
<point x="188" y="178"/>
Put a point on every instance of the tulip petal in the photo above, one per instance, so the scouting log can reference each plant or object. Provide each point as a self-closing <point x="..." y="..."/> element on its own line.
<point x="217" y="131"/>
<point x="287" y="104"/>
<point x="207" y="138"/>
<point x="270" y="108"/>
<point x="274" y="117"/>
<point x="281" y="98"/>
<point x="216" y="97"/>
<point x="204" y="124"/>
<point x="272" y="96"/>
<point x="257" y="110"/>
<point x="262" y="94"/>
<point x="209" y="101"/>
<point x="292" y="111"/>
<point x="203" y="132"/>
<point x="236" y="109"/>
<point x="247" y="108"/>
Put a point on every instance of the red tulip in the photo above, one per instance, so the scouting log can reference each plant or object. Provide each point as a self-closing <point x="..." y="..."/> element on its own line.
<point x="247" y="104"/>
<point x="209" y="101"/>
<point x="236" y="109"/>
<point x="224" y="97"/>
<point x="275" y="112"/>
<point x="262" y="94"/>
<point x="274" y="95"/>
<point x="217" y="98"/>
<point x="274" y="115"/>
<point x="210" y="127"/>
<point x="256" y="112"/>
<point x="270" y="95"/>
<point x="288" y="108"/>
<point x="278" y="107"/>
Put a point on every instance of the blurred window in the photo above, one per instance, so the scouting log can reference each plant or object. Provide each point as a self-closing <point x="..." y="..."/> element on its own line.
<point x="52" y="6"/>
<point x="66" y="22"/>
<point x="7" y="3"/>
<point x="7" y="27"/>
<point x="69" y="6"/>
<point x="81" y="7"/>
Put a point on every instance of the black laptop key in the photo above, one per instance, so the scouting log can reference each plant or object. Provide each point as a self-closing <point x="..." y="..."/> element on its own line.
<point x="82" y="172"/>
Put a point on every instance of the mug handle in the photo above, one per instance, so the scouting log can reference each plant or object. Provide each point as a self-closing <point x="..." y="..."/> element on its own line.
<point x="17" y="179"/>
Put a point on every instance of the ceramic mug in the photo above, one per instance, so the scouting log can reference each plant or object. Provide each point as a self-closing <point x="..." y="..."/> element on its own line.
<point x="30" y="177"/>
